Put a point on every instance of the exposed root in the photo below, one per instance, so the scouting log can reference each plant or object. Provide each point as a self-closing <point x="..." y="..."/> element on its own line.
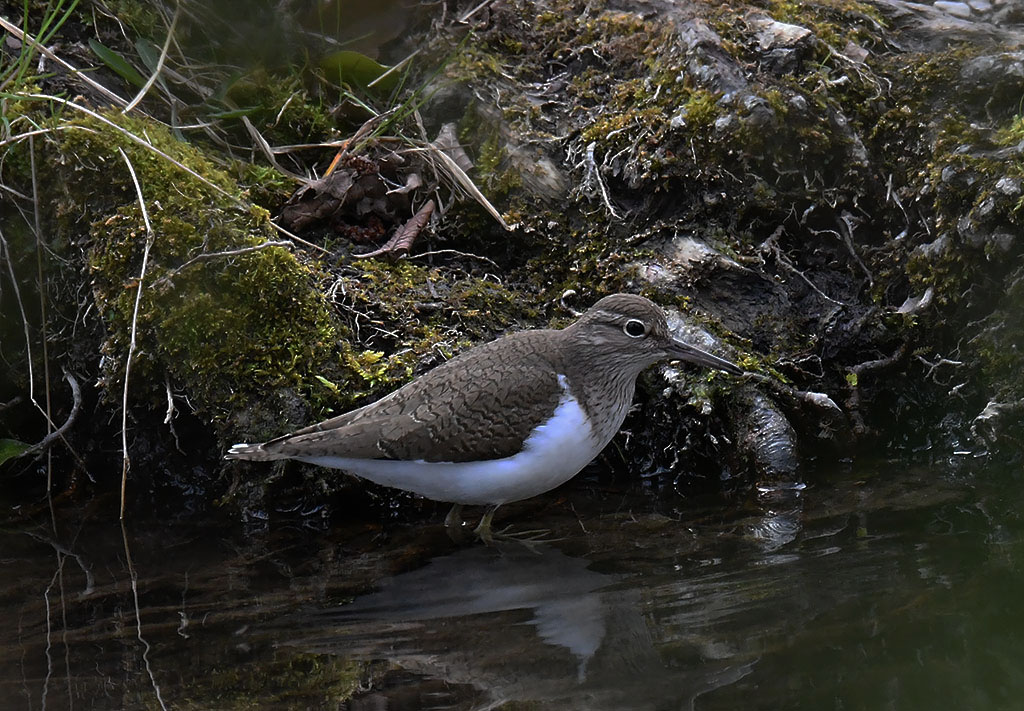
<point x="76" y="406"/>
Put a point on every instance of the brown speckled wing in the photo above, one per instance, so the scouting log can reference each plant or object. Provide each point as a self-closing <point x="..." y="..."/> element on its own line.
<point x="480" y="405"/>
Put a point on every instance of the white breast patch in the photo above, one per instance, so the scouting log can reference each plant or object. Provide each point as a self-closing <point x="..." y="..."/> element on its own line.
<point x="553" y="453"/>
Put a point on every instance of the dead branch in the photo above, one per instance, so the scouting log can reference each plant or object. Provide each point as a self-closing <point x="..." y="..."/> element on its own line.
<point x="856" y="372"/>
<point x="76" y="405"/>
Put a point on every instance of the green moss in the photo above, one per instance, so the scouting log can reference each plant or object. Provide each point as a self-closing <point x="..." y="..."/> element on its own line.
<point x="1012" y="134"/>
<point x="281" y="108"/>
<point x="226" y="329"/>
<point x="835" y="22"/>
<point x="288" y="680"/>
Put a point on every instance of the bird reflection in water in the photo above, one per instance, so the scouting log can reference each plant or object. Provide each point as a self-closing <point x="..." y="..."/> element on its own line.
<point x="514" y="624"/>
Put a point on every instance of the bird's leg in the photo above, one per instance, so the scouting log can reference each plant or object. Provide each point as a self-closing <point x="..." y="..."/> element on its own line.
<point x="483" y="530"/>
<point x="453" y="521"/>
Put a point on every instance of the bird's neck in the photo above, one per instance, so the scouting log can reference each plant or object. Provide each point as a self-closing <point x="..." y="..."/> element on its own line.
<point x="604" y="390"/>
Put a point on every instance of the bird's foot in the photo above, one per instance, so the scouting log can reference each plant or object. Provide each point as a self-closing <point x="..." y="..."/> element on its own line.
<point x="535" y="535"/>
<point x="486" y="533"/>
<point x="483" y="530"/>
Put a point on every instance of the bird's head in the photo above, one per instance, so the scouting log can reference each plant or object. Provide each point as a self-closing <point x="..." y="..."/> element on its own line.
<point x="630" y="333"/>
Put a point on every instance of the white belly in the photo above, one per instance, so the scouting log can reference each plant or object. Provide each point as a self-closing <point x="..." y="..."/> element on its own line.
<point x="554" y="453"/>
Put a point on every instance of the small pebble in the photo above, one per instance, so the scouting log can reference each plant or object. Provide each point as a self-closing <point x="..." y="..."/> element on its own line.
<point x="980" y="5"/>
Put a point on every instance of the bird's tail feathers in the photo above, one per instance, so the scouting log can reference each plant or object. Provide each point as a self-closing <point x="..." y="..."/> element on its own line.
<point x="252" y="453"/>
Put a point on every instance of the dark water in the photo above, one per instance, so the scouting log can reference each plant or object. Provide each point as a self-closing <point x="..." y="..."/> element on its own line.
<point x="887" y="587"/>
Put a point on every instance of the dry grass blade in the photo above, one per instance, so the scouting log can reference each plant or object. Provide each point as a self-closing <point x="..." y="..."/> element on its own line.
<point x="268" y="152"/>
<point x="159" y="65"/>
<point x="125" y="462"/>
<point x="136" y="139"/>
<point x="458" y="176"/>
<point x="24" y="37"/>
<point x="38" y="230"/>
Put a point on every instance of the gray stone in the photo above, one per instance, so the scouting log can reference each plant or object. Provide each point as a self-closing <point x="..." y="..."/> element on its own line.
<point x="957" y="9"/>
<point x="1008" y="186"/>
<point x="772" y="34"/>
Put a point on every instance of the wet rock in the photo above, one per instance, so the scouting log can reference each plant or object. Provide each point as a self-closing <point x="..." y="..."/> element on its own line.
<point x="709" y="63"/>
<point x="1001" y="242"/>
<point x="924" y="27"/>
<point x="758" y="113"/>
<point x="772" y="34"/>
<point x="993" y="422"/>
<point x="744" y="300"/>
<point x="1010" y="187"/>
<point x="914" y="304"/>
<point x="933" y="250"/>
<point x="766" y="438"/>
<point x="998" y="77"/>
<point x="957" y="9"/>
<point x="855" y="52"/>
<point x="783" y="46"/>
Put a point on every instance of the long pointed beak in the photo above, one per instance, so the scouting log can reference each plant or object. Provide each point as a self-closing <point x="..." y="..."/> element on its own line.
<point x="678" y="350"/>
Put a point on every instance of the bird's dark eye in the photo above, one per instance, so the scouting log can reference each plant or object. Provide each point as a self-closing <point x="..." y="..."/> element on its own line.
<point x="635" y="328"/>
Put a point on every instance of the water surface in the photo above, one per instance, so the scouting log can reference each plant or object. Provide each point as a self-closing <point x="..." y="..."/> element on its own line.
<point x="890" y="586"/>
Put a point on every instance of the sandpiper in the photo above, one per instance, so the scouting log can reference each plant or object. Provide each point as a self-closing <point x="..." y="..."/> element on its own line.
<point x="501" y="422"/>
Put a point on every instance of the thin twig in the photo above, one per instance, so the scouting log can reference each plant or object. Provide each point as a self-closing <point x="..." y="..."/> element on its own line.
<point x="169" y="417"/>
<point x="473" y="11"/>
<point x="456" y="253"/>
<point x="159" y="65"/>
<point x="24" y="318"/>
<point x="10" y="403"/>
<point x="21" y="137"/>
<point x="595" y="171"/>
<point x="295" y="237"/>
<point x="125" y="462"/>
<point x="37" y="228"/>
<point x="214" y="255"/>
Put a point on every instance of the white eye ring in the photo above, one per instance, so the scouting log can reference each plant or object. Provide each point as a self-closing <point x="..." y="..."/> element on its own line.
<point x="635" y="328"/>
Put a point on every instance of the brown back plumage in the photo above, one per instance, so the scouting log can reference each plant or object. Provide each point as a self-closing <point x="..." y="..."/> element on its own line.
<point x="484" y="403"/>
<point x="481" y="404"/>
